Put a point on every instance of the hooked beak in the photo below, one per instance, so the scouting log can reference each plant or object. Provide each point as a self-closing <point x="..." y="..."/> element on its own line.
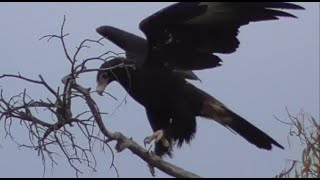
<point x="101" y="86"/>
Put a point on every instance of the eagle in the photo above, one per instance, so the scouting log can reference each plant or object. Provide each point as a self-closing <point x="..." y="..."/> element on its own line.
<point x="180" y="39"/>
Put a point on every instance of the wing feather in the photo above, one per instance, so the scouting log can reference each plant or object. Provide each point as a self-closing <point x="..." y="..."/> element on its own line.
<point x="185" y="35"/>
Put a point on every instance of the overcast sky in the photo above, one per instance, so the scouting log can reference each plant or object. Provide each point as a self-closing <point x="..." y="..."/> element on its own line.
<point x="277" y="66"/>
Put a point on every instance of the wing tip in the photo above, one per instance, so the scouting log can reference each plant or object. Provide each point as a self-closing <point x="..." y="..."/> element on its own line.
<point x="102" y="30"/>
<point x="283" y="5"/>
<point x="274" y="8"/>
<point x="284" y="14"/>
<point x="293" y="6"/>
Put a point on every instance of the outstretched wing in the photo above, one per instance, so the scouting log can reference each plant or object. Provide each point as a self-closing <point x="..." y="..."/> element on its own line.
<point x="136" y="47"/>
<point x="185" y="35"/>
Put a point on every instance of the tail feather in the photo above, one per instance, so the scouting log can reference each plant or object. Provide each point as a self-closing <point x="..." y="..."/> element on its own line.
<point x="252" y="133"/>
<point x="215" y="110"/>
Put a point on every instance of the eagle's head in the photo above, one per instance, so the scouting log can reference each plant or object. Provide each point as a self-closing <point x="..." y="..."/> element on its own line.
<point x="113" y="70"/>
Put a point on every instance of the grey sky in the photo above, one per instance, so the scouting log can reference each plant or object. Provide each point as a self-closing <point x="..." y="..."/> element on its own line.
<point x="277" y="66"/>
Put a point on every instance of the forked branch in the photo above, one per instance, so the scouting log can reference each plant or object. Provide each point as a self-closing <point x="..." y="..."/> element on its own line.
<point x="55" y="136"/>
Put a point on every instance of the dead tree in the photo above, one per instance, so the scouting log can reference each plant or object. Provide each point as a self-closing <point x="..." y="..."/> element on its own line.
<point x="58" y="138"/>
<point x="304" y="130"/>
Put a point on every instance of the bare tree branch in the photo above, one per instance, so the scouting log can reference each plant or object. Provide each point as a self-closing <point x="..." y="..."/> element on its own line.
<point x="126" y="143"/>
<point x="306" y="129"/>
<point x="56" y="138"/>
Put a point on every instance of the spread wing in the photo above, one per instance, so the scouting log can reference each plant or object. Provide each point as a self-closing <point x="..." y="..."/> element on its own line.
<point x="185" y="35"/>
<point x="135" y="47"/>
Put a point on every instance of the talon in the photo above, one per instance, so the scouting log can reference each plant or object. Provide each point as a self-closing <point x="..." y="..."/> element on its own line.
<point x="147" y="140"/>
<point x="157" y="137"/>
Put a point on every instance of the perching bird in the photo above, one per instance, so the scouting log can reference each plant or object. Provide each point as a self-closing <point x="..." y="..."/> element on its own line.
<point x="181" y="38"/>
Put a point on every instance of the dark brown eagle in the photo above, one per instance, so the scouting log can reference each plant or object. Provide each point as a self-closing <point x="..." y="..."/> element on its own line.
<point x="181" y="38"/>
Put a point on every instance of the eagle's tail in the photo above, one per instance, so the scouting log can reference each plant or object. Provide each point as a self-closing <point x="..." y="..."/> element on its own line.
<point x="215" y="110"/>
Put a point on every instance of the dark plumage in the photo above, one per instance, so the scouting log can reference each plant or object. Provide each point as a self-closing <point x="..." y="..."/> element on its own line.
<point x="180" y="39"/>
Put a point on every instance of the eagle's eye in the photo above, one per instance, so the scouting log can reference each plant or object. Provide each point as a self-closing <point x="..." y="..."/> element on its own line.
<point x="104" y="76"/>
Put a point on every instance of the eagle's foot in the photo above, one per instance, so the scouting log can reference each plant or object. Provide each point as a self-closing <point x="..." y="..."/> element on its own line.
<point x="157" y="137"/>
